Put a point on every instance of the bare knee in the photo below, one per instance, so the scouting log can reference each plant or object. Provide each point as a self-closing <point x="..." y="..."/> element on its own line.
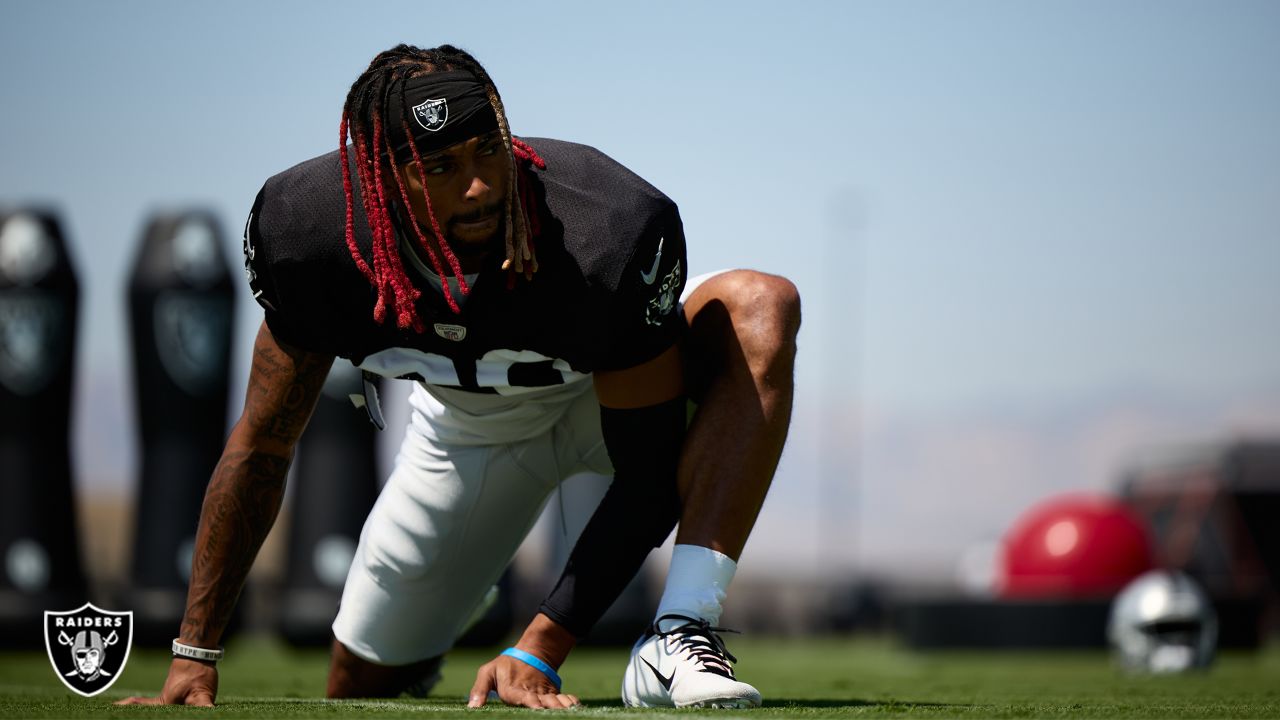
<point x="352" y="676"/>
<point x="764" y="309"/>
<point x="747" y="315"/>
<point x="765" y="306"/>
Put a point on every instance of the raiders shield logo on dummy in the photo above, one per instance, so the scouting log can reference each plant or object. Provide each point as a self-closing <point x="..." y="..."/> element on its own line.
<point x="88" y="646"/>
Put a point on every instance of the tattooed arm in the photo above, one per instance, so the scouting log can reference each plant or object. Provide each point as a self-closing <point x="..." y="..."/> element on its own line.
<point x="241" y="503"/>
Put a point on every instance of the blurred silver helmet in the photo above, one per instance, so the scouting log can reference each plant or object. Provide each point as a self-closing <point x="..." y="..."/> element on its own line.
<point x="1162" y="622"/>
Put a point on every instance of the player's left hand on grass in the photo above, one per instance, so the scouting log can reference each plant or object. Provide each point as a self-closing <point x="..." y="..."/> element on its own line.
<point x="517" y="684"/>
<point x="190" y="682"/>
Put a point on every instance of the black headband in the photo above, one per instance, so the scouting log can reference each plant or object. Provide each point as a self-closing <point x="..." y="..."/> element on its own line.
<point x="441" y="109"/>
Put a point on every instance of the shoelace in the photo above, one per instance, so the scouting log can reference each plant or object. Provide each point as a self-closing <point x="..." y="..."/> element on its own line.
<point x="702" y="642"/>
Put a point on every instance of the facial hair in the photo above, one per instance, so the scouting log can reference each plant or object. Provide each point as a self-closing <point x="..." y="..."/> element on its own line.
<point x="474" y="249"/>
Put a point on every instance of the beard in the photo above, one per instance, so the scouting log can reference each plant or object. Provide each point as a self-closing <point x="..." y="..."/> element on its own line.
<point x="472" y="249"/>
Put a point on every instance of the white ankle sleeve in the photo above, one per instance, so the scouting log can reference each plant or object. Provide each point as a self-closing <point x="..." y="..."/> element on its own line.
<point x="696" y="583"/>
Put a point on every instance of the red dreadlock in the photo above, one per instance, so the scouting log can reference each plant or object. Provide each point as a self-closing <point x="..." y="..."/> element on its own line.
<point x="387" y="274"/>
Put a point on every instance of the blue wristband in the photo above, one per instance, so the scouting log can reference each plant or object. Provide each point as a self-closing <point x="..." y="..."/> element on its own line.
<point x="535" y="662"/>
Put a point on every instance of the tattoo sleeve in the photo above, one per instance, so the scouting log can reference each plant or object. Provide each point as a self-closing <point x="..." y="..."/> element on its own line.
<point x="247" y="487"/>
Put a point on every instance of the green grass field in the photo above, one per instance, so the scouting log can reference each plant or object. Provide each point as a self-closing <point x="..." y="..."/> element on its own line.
<point x="832" y="678"/>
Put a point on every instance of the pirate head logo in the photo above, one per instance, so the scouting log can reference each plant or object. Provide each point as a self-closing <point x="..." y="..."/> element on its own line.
<point x="432" y="114"/>
<point x="89" y="650"/>
<point x="88" y="646"/>
<point x="192" y="332"/>
<point x="660" y="307"/>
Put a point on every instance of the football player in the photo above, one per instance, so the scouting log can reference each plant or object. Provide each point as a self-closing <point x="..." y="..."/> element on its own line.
<point x="538" y="293"/>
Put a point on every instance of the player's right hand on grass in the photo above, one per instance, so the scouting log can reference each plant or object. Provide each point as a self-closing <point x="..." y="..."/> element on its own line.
<point x="515" y="683"/>
<point x="190" y="682"/>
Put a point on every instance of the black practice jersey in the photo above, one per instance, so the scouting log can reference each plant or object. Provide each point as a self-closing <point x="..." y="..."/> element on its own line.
<point x="611" y="266"/>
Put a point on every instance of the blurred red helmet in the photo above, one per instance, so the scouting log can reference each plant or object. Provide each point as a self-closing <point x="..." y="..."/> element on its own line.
<point x="1074" y="546"/>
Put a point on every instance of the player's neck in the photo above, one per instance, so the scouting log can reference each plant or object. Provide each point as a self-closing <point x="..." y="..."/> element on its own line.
<point x="428" y="276"/>
<point x="472" y="261"/>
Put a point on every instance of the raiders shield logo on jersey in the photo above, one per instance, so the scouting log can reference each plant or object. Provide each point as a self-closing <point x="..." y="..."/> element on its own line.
<point x="432" y="114"/>
<point x="660" y="306"/>
<point x="88" y="646"/>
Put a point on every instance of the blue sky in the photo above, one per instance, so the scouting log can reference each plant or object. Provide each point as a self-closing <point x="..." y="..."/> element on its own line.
<point x="994" y="210"/>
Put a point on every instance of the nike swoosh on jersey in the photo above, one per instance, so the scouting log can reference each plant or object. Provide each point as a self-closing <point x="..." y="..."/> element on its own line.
<point x="652" y="275"/>
<point x="666" y="681"/>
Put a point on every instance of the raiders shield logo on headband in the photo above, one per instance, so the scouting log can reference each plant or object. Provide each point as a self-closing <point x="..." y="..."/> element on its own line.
<point x="432" y="114"/>
<point x="88" y="646"/>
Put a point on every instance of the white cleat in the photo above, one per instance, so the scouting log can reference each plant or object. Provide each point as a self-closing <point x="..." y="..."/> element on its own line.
<point x="687" y="666"/>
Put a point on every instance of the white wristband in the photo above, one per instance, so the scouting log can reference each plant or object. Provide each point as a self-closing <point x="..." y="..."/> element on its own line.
<point x="195" y="653"/>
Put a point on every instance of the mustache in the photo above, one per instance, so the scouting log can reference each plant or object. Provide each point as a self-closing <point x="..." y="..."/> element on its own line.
<point x="480" y="213"/>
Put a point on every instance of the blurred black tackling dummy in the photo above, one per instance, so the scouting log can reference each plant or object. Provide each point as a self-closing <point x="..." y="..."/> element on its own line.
<point x="335" y="482"/>
<point x="1213" y="510"/>
<point x="38" y="538"/>
<point x="181" y="306"/>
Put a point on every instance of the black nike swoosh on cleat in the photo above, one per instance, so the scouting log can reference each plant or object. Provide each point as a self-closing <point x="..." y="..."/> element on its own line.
<point x="666" y="681"/>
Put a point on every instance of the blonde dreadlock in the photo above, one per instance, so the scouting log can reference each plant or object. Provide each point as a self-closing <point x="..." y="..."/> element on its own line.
<point x="362" y="120"/>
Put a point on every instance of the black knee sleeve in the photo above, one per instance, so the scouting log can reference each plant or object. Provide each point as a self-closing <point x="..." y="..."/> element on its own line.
<point x="635" y="516"/>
